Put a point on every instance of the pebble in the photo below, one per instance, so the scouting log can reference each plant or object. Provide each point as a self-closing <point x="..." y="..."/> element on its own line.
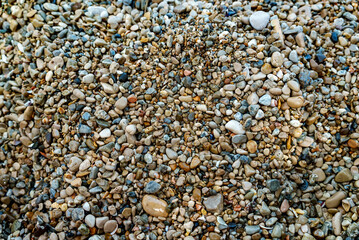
<point x="345" y="175"/>
<point x="152" y="187"/>
<point x="154" y="206"/>
<point x="214" y="203"/>
<point x="259" y="20"/>
<point x="235" y="127"/>
<point x="110" y="226"/>
<point x="335" y="199"/>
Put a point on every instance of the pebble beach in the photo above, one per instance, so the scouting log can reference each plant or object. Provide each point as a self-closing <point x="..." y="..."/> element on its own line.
<point x="169" y="119"/>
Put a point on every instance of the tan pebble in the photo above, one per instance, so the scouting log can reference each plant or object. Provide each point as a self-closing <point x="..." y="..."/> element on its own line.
<point x="252" y="146"/>
<point x="345" y="175"/>
<point x="295" y="102"/>
<point x="154" y="206"/>
<point x="335" y="200"/>
<point x="320" y="174"/>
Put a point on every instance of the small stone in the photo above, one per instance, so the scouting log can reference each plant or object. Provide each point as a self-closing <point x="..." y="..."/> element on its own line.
<point x="265" y="100"/>
<point x="51" y="7"/>
<point x="214" y="203"/>
<point x="195" y="162"/>
<point x="28" y="114"/>
<point x="154" y="206"/>
<point x="320" y="174"/>
<point x="171" y="154"/>
<point x="110" y="226"/>
<point x="259" y="20"/>
<point x="337" y="223"/>
<point x="78" y="94"/>
<point x="294" y="85"/>
<point x="249" y="171"/>
<point x="250" y="230"/>
<point x="235" y="127"/>
<point x="295" y="102"/>
<point x="335" y="200"/>
<point x="273" y="184"/>
<point x="293" y="56"/>
<point x="352" y="143"/>
<point x="106" y="133"/>
<point x="284" y="207"/>
<point x="345" y="175"/>
<point x="277" y="59"/>
<point x="100" y="222"/>
<point x="121" y="103"/>
<point x="252" y="146"/>
<point x="74" y="164"/>
<point x="152" y="187"/>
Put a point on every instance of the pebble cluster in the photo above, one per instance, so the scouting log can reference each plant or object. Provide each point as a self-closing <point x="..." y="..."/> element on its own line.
<point x="179" y="120"/>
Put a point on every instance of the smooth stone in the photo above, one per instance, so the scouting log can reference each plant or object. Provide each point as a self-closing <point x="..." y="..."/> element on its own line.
<point x="235" y="127"/>
<point x="84" y="129"/>
<point x="352" y="143"/>
<point x="106" y="133"/>
<point x="337" y="223"/>
<point x="121" y="103"/>
<point x="320" y="174"/>
<point x="273" y="184"/>
<point x="74" y="164"/>
<point x="250" y="230"/>
<point x="51" y="7"/>
<point x="252" y="146"/>
<point x="259" y="20"/>
<point x="78" y="94"/>
<point x="171" y="154"/>
<point x="214" y="203"/>
<point x="195" y="162"/>
<point x="345" y="175"/>
<point x="28" y="114"/>
<point x="335" y="200"/>
<point x="295" y="102"/>
<point x="154" y="206"/>
<point x="293" y="56"/>
<point x="265" y="100"/>
<point x="152" y="187"/>
<point x="277" y="59"/>
<point x="55" y="63"/>
<point x="249" y="171"/>
<point x="110" y="226"/>
<point x="284" y="207"/>
<point x="252" y="99"/>
<point x="100" y="222"/>
<point x="131" y="129"/>
<point x="294" y="85"/>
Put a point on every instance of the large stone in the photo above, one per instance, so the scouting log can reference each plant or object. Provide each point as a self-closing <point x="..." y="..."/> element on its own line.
<point x="110" y="226"/>
<point x="345" y="175"/>
<point x="335" y="200"/>
<point x="154" y="206"/>
<point x="295" y="102"/>
<point x="235" y="127"/>
<point x="259" y="20"/>
<point x="214" y="203"/>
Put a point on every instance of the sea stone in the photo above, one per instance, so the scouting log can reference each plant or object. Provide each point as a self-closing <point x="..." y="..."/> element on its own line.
<point x="235" y="127"/>
<point x="110" y="226"/>
<point x="214" y="203"/>
<point x="154" y="206"/>
<point x="335" y="200"/>
<point x="295" y="102"/>
<point x="259" y="20"/>
<point x="344" y="175"/>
